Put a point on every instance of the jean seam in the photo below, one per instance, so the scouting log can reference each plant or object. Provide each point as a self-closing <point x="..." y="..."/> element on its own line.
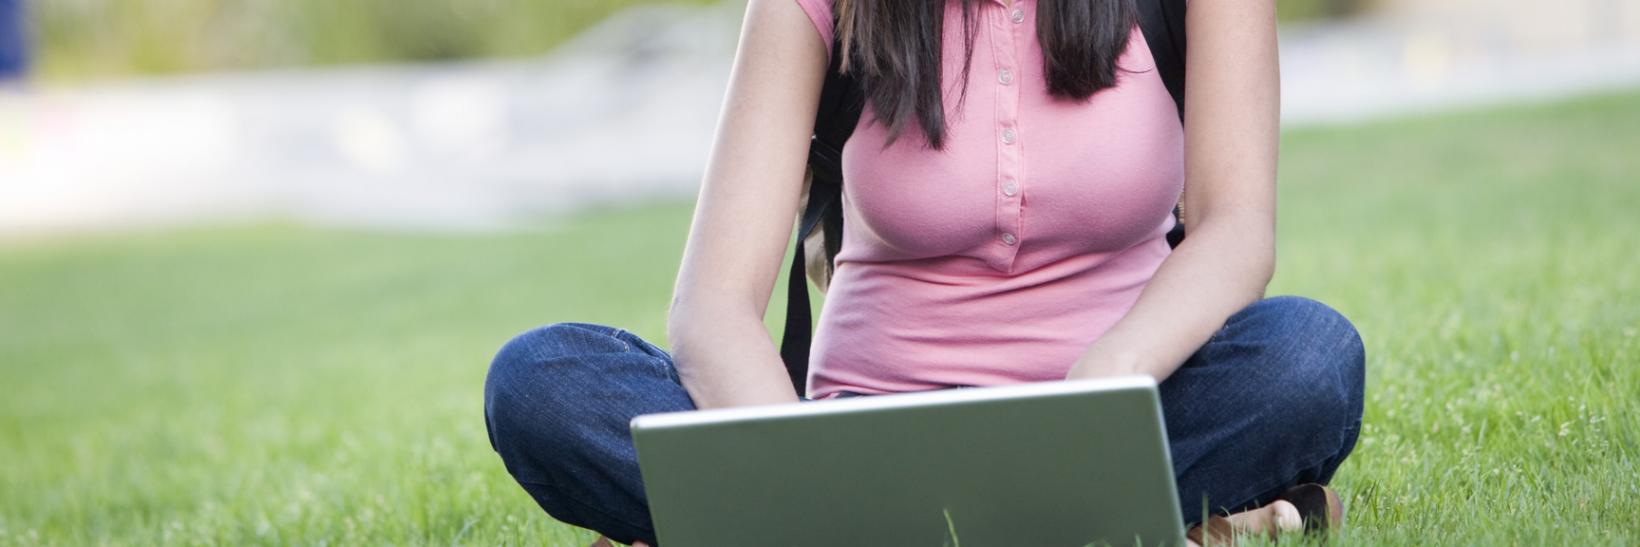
<point x="1218" y="335"/>
<point x="582" y="504"/>
<point x="663" y="365"/>
<point x="616" y="334"/>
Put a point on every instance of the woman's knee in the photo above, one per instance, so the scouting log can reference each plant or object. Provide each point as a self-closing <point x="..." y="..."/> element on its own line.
<point x="544" y="350"/>
<point x="555" y="341"/>
<point x="1315" y="361"/>
<point x="534" y="376"/>
<point x="557" y="401"/>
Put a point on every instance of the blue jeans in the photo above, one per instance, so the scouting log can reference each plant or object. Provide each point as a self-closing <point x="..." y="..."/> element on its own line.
<point x="13" y="40"/>
<point x="1272" y="400"/>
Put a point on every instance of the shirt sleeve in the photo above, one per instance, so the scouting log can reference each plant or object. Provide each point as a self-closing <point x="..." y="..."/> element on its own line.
<point x="819" y="12"/>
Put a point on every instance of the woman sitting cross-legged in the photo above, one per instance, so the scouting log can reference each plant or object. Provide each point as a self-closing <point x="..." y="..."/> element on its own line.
<point x="1010" y="188"/>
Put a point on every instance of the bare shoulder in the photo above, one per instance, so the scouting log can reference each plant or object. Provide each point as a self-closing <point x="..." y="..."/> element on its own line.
<point x="804" y="25"/>
<point x="775" y="84"/>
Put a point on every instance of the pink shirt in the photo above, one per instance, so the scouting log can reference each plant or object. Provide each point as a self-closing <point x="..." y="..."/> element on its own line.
<point x="1001" y="258"/>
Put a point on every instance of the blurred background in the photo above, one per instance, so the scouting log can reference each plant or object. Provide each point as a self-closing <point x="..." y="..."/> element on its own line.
<point x="459" y="115"/>
<point x="255" y="254"/>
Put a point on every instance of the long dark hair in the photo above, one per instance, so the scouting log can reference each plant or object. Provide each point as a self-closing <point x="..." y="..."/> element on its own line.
<point x="893" y="48"/>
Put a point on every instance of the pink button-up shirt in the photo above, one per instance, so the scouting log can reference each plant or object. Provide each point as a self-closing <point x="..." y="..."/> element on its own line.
<point x="1002" y="257"/>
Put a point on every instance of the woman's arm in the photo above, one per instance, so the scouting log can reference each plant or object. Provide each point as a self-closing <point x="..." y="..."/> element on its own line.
<point x="1232" y="114"/>
<point x="744" y="216"/>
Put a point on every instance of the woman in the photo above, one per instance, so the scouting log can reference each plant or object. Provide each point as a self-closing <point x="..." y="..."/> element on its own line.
<point x="1008" y="193"/>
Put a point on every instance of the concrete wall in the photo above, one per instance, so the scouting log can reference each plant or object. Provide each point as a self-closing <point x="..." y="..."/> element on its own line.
<point x="1529" y="26"/>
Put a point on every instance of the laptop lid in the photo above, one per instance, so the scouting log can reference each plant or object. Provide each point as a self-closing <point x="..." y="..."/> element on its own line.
<point x="1057" y="463"/>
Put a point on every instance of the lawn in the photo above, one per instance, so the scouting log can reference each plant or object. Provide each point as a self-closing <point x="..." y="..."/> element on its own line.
<point x="275" y="384"/>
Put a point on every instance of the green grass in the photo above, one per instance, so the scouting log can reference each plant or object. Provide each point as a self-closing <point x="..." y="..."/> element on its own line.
<point x="278" y="384"/>
<point x="1302" y="10"/>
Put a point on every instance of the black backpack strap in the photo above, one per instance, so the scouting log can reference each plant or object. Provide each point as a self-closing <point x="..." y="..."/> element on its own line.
<point x="839" y="112"/>
<point x="1162" y="21"/>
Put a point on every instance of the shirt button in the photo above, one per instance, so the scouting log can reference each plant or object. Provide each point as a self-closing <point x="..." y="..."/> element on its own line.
<point x="1010" y="188"/>
<point x="1005" y="76"/>
<point x="1009" y="239"/>
<point x="1018" y="15"/>
<point x="1008" y="136"/>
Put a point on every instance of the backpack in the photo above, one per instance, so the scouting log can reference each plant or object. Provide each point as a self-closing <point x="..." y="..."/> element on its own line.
<point x="841" y="100"/>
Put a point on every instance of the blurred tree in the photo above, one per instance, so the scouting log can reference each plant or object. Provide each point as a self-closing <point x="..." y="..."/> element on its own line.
<point x="81" y="39"/>
<point x="101" y="38"/>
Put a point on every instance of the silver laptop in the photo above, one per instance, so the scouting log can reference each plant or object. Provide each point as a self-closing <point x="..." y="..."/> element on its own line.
<point x="1058" y="463"/>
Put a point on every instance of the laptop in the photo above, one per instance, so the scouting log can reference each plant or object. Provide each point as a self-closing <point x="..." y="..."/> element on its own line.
<point x="1057" y="463"/>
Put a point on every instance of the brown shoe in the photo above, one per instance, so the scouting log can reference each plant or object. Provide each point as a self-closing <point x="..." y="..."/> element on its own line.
<point x="1216" y="532"/>
<point x="1319" y="506"/>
